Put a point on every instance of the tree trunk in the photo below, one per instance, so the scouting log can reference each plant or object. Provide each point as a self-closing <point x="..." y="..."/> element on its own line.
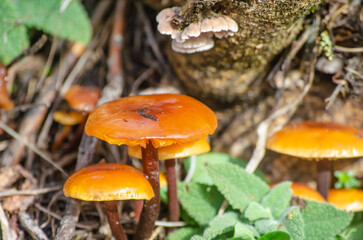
<point x="233" y="69"/>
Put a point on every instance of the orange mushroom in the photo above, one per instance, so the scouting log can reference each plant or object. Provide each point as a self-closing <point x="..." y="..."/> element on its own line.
<point x="169" y="154"/>
<point x="320" y="141"/>
<point x="346" y="199"/>
<point x="109" y="182"/>
<point x="82" y="98"/>
<point x="302" y="190"/>
<point x="151" y="121"/>
<point x="67" y="119"/>
<point x="175" y="150"/>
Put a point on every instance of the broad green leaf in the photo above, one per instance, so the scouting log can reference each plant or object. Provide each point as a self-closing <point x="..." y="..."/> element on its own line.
<point x="186" y="218"/>
<point x="164" y="194"/>
<point x="264" y="226"/>
<point x="200" y="201"/>
<point x="278" y="235"/>
<point x="184" y="233"/>
<point x="255" y="211"/>
<point x="204" y="160"/>
<point x="323" y="221"/>
<point x="357" y="232"/>
<point x="229" y="224"/>
<point x="294" y="223"/>
<point x="197" y="237"/>
<point x="238" y="187"/>
<point x="244" y="232"/>
<point x="13" y="37"/>
<point x="278" y="199"/>
<point x="73" y="23"/>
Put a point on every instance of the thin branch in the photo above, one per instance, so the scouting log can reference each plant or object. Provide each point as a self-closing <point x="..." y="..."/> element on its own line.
<point x="290" y="108"/>
<point x="32" y="147"/>
<point x="29" y="192"/>
<point x="348" y="50"/>
<point x="170" y="224"/>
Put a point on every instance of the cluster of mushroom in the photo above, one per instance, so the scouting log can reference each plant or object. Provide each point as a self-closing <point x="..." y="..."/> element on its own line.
<point x="172" y="124"/>
<point x="350" y="200"/>
<point x="82" y="100"/>
<point x="197" y="36"/>
<point x="320" y="141"/>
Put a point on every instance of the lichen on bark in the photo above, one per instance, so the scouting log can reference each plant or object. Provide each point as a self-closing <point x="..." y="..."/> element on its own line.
<point x="230" y="70"/>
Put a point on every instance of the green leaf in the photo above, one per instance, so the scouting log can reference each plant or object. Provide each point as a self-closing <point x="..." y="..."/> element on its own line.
<point x="204" y="160"/>
<point x="238" y="187"/>
<point x="346" y="179"/>
<point x="13" y="37"/>
<point x="184" y="233"/>
<point x="357" y="232"/>
<point x="164" y="194"/>
<point x="256" y="211"/>
<point x="277" y="235"/>
<point x="264" y="226"/>
<point x="197" y="237"/>
<point x="278" y="199"/>
<point x="245" y="232"/>
<point x="200" y="201"/>
<point x="229" y="223"/>
<point x="73" y="23"/>
<point x="294" y="223"/>
<point x="323" y="221"/>
<point x="221" y="225"/>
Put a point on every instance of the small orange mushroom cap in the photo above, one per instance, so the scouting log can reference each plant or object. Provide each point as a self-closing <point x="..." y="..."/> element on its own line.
<point x="301" y="190"/>
<point x="314" y="140"/>
<point x="180" y="150"/>
<point x="108" y="182"/>
<point x="346" y="199"/>
<point x="82" y="98"/>
<point x="68" y="118"/>
<point x="163" y="119"/>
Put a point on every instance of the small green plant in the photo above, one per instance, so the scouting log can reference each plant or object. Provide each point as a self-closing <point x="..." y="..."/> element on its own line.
<point x="255" y="211"/>
<point x="326" y="45"/>
<point x="50" y="16"/>
<point x="346" y="179"/>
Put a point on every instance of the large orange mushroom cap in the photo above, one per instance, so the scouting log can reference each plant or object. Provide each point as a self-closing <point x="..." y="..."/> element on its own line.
<point x="316" y="140"/>
<point x="163" y="120"/>
<point x="108" y="182"/>
<point x="180" y="150"/>
<point x="346" y="199"/>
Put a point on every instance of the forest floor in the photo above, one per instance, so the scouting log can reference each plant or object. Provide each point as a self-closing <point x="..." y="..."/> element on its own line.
<point x="35" y="165"/>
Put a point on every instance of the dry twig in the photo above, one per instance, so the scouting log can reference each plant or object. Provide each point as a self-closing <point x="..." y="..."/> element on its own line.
<point x="263" y="128"/>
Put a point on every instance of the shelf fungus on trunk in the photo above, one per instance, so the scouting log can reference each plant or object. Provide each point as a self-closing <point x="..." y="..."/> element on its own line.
<point x="197" y="36"/>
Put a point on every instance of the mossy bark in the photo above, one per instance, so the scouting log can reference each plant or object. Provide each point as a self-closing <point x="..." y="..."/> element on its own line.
<point x="234" y="68"/>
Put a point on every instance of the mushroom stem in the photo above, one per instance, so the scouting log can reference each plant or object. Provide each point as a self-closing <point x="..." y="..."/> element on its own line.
<point x="138" y="205"/>
<point x="150" y="212"/>
<point x="114" y="220"/>
<point x="324" y="177"/>
<point x="173" y="204"/>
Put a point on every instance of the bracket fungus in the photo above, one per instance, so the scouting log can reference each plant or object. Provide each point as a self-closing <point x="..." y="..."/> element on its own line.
<point x="197" y="36"/>
<point x="151" y="121"/>
<point x="320" y="141"/>
<point x="109" y="182"/>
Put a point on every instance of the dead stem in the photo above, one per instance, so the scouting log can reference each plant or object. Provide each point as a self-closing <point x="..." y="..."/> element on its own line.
<point x="263" y="130"/>
<point x="32" y="147"/>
